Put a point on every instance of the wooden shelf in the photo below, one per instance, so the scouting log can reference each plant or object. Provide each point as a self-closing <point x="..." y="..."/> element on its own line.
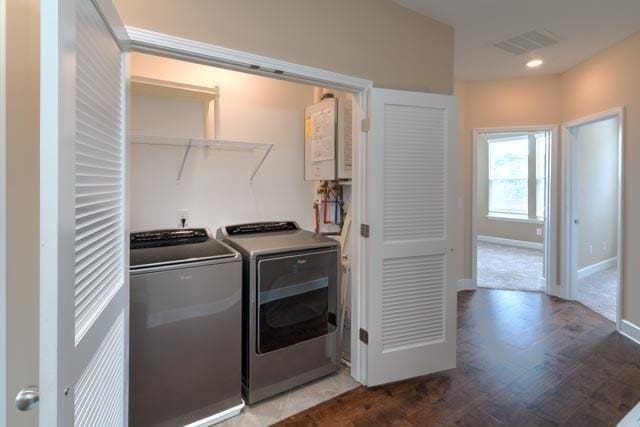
<point x="169" y="88"/>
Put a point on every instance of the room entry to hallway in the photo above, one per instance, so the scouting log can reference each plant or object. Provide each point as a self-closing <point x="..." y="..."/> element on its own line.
<point x="511" y="200"/>
<point x="594" y="156"/>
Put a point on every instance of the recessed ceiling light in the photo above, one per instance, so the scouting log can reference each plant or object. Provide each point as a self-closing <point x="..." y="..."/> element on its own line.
<point x="535" y="63"/>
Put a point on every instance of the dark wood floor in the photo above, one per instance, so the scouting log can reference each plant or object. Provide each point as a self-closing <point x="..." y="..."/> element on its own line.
<point x="524" y="359"/>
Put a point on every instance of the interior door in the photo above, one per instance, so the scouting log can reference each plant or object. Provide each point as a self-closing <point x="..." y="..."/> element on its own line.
<point x="83" y="254"/>
<point x="412" y="213"/>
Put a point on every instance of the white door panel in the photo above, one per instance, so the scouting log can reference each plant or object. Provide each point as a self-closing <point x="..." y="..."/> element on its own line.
<point x="83" y="258"/>
<point x="412" y="301"/>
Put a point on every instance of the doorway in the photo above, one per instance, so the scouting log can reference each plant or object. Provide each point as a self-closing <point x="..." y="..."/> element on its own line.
<point x="593" y="196"/>
<point x="513" y="237"/>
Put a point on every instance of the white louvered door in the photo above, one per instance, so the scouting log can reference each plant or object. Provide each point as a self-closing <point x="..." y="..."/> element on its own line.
<point x="412" y="292"/>
<point x="83" y="257"/>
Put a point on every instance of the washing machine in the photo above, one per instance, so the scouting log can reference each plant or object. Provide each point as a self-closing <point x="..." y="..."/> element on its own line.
<point x="185" y="328"/>
<point x="290" y="305"/>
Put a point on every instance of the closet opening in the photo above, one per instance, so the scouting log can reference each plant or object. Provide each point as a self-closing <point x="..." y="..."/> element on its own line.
<point x="224" y="151"/>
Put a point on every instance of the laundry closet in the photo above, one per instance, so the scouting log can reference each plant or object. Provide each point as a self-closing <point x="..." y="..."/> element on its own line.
<point x="264" y="165"/>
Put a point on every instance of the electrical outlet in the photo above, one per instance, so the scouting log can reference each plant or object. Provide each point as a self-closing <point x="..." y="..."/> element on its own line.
<point x="590" y="249"/>
<point x="538" y="231"/>
<point x="604" y="246"/>
<point x="183" y="218"/>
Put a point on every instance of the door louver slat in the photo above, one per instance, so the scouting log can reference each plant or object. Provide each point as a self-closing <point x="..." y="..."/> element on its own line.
<point x="421" y="280"/>
<point x="99" y="390"/>
<point x="99" y="169"/>
<point x="414" y="184"/>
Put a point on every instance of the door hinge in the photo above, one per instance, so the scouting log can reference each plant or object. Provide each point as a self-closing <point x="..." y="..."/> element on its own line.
<point x="366" y="124"/>
<point x="364" y="336"/>
<point x="364" y="230"/>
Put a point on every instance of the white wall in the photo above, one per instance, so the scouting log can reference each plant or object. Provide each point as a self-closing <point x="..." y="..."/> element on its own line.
<point x="598" y="192"/>
<point x="215" y="185"/>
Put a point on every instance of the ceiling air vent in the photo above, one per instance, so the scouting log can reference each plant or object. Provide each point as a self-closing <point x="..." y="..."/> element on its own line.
<point x="527" y="42"/>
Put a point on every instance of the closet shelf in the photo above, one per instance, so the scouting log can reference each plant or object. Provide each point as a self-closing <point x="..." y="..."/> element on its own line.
<point x="166" y="87"/>
<point x="216" y="144"/>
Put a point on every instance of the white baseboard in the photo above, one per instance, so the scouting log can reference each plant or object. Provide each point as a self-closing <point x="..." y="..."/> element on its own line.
<point x="630" y="331"/>
<point x="598" y="266"/>
<point x="510" y="242"/>
<point x="466" y="285"/>
<point x="632" y="419"/>
<point x="559" y="291"/>
<point x="219" y="417"/>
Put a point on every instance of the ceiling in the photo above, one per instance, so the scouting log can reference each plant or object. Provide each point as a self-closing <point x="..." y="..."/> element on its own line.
<point x="584" y="28"/>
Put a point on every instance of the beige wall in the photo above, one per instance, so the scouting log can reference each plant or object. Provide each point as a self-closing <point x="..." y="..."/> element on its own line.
<point x="373" y="39"/>
<point x="608" y="80"/>
<point x="524" y="101"/>
<point x="22" y="203"/>
<point x="503" y="228"/>
<point x="598" y="191"/>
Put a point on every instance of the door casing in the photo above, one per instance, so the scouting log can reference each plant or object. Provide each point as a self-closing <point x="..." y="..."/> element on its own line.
<point x="150" y="42"/>
<point x="569" y="202"/>
<point x="550" y="224"/>
<point x="3" y="216"/>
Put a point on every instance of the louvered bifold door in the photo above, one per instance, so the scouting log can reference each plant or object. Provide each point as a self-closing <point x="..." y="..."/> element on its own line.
<point x="84" y="280"/>
<point x="412" y="169"/>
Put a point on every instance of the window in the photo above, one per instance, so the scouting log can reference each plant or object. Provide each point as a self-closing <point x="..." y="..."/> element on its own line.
<point x="512" y="178"/>
<point x="509" y="176"/>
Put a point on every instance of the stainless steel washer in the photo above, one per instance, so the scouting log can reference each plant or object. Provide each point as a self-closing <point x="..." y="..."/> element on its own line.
<point x="185" y="327"/>
<point x="290" y="305"/>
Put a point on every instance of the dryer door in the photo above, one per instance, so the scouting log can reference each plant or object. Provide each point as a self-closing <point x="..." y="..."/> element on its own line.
<point x="297" y="298"/>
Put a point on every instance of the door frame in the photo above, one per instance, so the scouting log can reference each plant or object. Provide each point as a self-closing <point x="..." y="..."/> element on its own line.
<point x="550" y="223"/>
<point x="3" y="215"/>
<point x="569" y="201"/>
<point x="154" y="43"/>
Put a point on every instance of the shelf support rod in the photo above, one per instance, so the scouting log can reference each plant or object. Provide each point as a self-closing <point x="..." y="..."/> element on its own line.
<point x="259" y="165"/>
<point x="184" y="159"/>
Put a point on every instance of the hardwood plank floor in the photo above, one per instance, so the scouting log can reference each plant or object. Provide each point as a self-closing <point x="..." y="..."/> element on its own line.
<point x="524" y="359"/>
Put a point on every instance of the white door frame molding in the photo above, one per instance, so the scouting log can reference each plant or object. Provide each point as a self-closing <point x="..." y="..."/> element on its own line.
<point x="550" y="233"/>
<point x="3" y="215"/>
<point x="569" y="200"/>
<point x="154" y="43"/>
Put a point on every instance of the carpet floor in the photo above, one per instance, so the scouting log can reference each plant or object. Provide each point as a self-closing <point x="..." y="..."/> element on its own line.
<point x="509" y="267"/>
<point x="599" y="292"/>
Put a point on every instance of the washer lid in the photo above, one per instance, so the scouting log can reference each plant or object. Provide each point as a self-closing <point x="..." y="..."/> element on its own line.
<point x="174" y="246"/>
<point x="278" y="241"/>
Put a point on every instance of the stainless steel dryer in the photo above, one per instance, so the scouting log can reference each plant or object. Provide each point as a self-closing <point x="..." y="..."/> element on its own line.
<point x="290" y="305"/>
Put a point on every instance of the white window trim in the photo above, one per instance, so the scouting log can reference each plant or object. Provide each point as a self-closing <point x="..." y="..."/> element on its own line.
<point x="497" y="213"/>
<point x="497" y="216"/>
